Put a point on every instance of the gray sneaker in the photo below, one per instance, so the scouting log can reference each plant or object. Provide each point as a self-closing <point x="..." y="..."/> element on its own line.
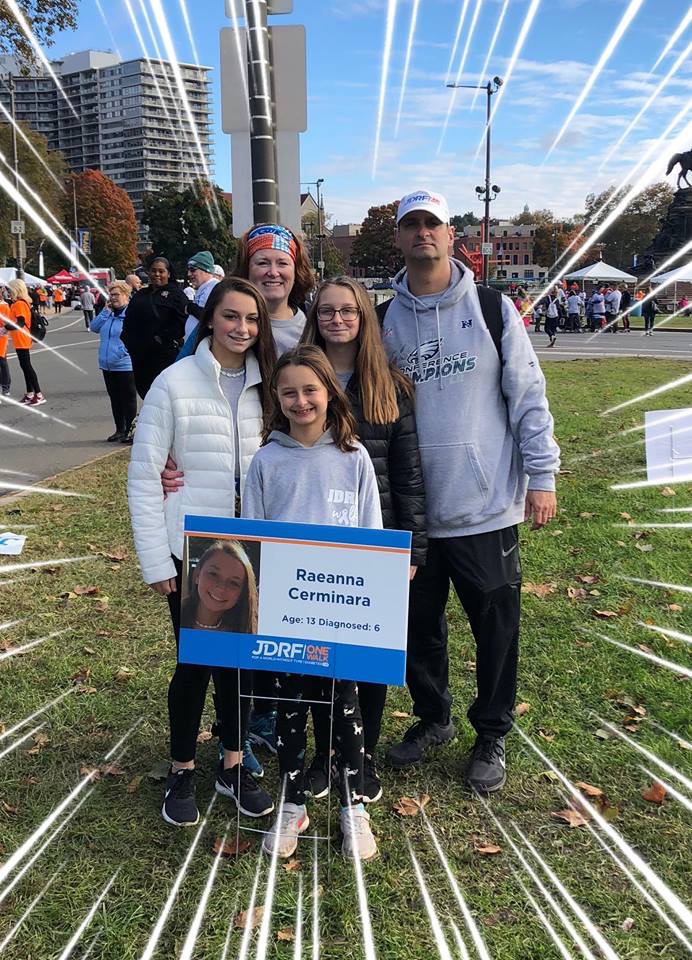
<point x="486" y="771"/>
<point x="285" y="831"/>
<point x="420" y="738"/>
<point x="358" y="842"/>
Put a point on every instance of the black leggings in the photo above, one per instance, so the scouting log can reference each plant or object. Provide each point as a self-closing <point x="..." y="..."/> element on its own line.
<point x="30" y="378"/>
<point x="5" y="379"/>
<point x="120" y="385"/>
<point x="371" y="697"/>
<point x="295" y="691"/>
<point x="188" y="690"/>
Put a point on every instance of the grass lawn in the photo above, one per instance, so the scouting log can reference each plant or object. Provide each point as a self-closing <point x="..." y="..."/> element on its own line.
<point x="676" y="323"/>
<point x="115" y="656"/>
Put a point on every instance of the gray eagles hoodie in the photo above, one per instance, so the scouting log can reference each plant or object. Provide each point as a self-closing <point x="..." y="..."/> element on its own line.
<point x="319" y="484"/>
<point x="483" y="430"/>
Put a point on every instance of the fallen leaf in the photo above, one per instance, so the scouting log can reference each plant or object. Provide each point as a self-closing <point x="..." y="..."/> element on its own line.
<point x="587" y="577"/>
<point x="521" y="709"/>
<point x="9" y="808"/>
<point x="589" y="790"/>
<point x="684" y="745"/>
<point x="85" y="691"/>
<point x="602" y="734"/>
<point x="604" y="614"/>
<point x="89" y="650"/>
<point x="411" y="806"/>
<point x="85" y="591"/>
<point x="586" y="515"/>
<point x="40" y="741"/>
<point x="549" y="775"/>
<point x="249" y="918"/>
<point x="571" y="817"/>
<point x="133" y="785"/>
<point x="399" y="714"/>
<point x="626" y="516"/>
<point x="205" y="736"/>
<point x="160" y="770"/>
<point x="112" y="770"/>
<point x="502" y="916"/>
<point x="549" y="737"/>
<point x="93" y="772"/>
<point x="231" y="849"/>
<point x="122" y="675"/>
<point x="292" y="865"/>
<point x="644" y="547"/>
<point x="621" y="543"/>
<point x="102" y="605"/>
<point x="538" y="589"/>
<point x="487" y="849"/>
<point x="655" y="793"/>
<point x="82" y="675"/>
<point x="667" y="492"/>
<point x="556" y="533"/>
<point x="594" y="593"/>
<point x="675" y="607"/>
<point x="576" y="593"/>
<point x="627" y="924"/>
<point x="120" y="553"/>
<point x="286" y="934"/>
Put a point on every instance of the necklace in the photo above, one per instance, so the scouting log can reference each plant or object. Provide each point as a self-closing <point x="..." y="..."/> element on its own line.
<point x="232" y="373"/>
<point x="207" y="626"/>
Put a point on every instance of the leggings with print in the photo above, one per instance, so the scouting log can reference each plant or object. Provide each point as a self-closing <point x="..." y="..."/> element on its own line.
<point x="294" y="693"/>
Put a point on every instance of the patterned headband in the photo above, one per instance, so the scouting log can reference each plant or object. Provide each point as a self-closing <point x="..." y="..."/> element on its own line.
<point x="271" y="237"/>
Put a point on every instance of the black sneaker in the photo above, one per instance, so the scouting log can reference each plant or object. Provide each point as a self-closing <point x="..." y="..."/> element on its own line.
<point x="179" y="805"/>
<point x="421" y="737"/>
<point x="486" y="772"/>
<point x="317" y="777"/>
<point x="239" y="784"/>
<point x="116" y="437"/>
<point x="372" y="788"/>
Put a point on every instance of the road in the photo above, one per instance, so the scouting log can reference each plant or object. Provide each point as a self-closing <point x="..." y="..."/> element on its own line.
<point x="70" y="429"/>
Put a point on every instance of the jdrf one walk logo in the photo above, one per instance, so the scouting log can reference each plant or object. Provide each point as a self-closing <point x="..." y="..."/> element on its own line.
<point x="287" y="651"/>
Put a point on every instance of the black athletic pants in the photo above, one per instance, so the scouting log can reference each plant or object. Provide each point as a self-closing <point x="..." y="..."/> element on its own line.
<point x="30" y="378"/>
<point x="291" y="735"/>
<point x="120" y="385"/>
<point x="371" y="697"/>
<point x="5" y="378"/>
<point x="147" y="366"/>
<point x="486" y="573"/>
<point x="188" y="690"/>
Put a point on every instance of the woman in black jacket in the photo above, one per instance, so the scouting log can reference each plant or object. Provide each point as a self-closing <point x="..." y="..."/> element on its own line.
<point x="154" y="327"/>
<point x="343" y="322"/>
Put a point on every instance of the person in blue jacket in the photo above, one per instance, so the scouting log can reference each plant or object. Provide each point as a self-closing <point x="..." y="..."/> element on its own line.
<point x="115" y="362"/>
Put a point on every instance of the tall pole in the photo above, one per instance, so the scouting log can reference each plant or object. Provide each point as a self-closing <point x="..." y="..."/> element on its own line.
<point x="320" y="268"/>
<point x="262" y="149"/>
<point x="15" y="161"/>
<point x="486" y="217"/>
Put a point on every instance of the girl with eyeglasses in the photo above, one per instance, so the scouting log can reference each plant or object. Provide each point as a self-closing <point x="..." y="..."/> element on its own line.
<point x="343" y="322"/>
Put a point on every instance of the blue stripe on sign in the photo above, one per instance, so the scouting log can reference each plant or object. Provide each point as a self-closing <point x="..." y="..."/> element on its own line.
<point x="360" y="536"/>
<point x="213" y="648"/>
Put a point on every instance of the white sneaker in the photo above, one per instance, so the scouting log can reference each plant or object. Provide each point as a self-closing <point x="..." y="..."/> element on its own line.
<point x="358" y="839"/>
<point x="286" y="830"/>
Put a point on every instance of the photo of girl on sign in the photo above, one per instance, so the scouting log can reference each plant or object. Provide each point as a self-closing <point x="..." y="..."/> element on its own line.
<point x="221" y="591"/>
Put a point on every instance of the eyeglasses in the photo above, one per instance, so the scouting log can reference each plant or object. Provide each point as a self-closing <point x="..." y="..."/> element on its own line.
<point x="347" y="314"/>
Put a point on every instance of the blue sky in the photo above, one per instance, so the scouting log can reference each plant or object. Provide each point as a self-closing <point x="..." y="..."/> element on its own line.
<point x="345" y="42"/>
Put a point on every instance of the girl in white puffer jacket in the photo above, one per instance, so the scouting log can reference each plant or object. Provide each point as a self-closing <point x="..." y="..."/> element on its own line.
<point x="207" y="410"/>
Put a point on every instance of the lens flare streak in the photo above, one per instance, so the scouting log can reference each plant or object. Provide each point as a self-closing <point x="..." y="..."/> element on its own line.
<point x="17" y="651"/>
<point x="658" y="583"/>
<point x="461" y="946"/>
<point x="37" y="899"/>
<point x="6" y="485"/>
<point x="442" y="946"/>
<point x="79" y="932"/>
<point x="659" y="661"/>
<point x="457" y="37"/>
<point x="247" y="932"/>
<point x="192" y="934"/>
<point x="666" y="631"/>
<point x="671" y="899"/>
<point x="459" y="74"/>
<point x="265" y="925"/>
<point x="674" y="37"/>
<point x="155" y="936"/>
<point x="686" y="803"/>
<point x="18" y="743"/>
<point x="407" y="64"/>
<point x="298" y="943"/>
<point x="21" y="433"/>
<point x="552" y="932"/>
<point x="386" y="55"/>
<point x="9" y="118"/>
<point x="671" y="771"/>
<point x="365" y="922"/>
<point x="491" y="48"/>
<point x="37" y="713"/>
<point x="40" y="413"/>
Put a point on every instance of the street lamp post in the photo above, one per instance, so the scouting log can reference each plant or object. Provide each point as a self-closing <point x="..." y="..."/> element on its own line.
<point x="19" y="237"/>
<point x="320" y="235"/>
<point x="486" y="193"/>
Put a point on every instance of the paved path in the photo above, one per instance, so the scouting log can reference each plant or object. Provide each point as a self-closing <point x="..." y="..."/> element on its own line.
<point x="80" y="399"/>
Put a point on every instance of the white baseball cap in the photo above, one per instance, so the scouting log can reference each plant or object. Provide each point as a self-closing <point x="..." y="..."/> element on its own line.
<point x="219" y="271"/>
<point x="433" y="203"/>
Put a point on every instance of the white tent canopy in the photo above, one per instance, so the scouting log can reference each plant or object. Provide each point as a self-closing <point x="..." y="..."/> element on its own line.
<point x="10" y="273"/>
<point x="678" y="275"/>
<point x="600" y="272"/>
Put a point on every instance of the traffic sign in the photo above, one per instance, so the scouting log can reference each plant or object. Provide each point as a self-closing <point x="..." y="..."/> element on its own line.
<point x="17" y="226"/>
<point x="487" y="249"/>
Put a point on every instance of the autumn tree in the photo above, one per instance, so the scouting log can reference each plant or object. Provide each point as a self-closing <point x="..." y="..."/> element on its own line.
<point x="637" y="225"/>
<point x="44" y="17"/>
<point x="106" y="210"/>
<point x="461" y="220"/>
<point x="44" y="177"/>
<point x="183" y="222"/>
<point x="374" y="249"/>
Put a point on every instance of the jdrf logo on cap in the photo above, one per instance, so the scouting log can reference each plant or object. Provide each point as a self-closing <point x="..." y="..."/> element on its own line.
<point x="433" y="203"/>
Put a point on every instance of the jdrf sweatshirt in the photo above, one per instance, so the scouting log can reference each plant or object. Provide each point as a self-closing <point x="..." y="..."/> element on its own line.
<point x="484" y="430"/>
<point x="319" y="484"/>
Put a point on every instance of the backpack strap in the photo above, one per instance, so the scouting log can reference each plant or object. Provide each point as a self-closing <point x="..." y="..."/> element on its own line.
<point x="491" y="308"/>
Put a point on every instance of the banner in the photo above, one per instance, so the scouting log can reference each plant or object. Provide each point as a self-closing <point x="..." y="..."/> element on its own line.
<point x="296" y="598"/>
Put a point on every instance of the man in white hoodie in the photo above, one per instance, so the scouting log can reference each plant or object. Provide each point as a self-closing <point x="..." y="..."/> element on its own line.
<point x="489" y="462"/>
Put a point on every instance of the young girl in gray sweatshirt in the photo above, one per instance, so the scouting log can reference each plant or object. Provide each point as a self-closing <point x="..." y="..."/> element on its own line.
<point x="311" y="469"/>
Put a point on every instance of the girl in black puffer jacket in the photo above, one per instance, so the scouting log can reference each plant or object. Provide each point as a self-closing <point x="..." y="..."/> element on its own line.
<point x="343" y="322"/>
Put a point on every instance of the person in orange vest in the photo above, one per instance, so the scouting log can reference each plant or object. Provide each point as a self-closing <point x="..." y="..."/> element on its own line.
<point x="42" y="299"/>
<point x="58" y="299"/>
<point x="20" y="325"/>
<point x="5" y="379"/>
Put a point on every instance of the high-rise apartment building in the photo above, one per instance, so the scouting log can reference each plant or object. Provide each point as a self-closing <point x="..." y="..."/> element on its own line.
<point x="126" y="118"/>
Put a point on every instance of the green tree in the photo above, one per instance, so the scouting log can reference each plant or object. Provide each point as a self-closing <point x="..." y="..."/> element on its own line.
<point x="374" y="249"/>
<point x="637" y="225"/>
<point x="183" y="222"/>
<point x="47" y="185"/>
<point x="44" y="17"/>
<point x="461" y="220"/>
<point x="533" y="216"/>
<point x="334" y="265"/>
<point x="106" y="210"/>
<point x="553" y="238"/>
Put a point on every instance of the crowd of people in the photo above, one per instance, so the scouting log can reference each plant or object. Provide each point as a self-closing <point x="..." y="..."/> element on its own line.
<point x="260" y="393"/>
